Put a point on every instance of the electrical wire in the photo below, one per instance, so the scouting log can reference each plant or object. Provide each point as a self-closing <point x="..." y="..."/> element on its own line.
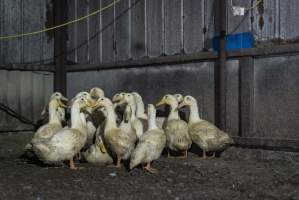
<point x="16" y="115"/>
<point x="61" y="25"/>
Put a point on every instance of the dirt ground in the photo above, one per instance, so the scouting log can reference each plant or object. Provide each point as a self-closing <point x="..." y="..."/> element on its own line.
<point x="237" y="174"/>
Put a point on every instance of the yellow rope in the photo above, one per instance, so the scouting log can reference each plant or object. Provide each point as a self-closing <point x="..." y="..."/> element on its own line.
<point x="61" y="25"/>
<point x="258" y="2"/>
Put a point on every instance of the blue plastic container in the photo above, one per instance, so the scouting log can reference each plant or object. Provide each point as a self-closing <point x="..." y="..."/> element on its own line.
<point x="235" y="41"/>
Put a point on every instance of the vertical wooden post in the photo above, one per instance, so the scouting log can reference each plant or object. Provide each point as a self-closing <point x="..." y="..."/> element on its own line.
<point x="220" y="70"/>
<point x="60" y="45"/>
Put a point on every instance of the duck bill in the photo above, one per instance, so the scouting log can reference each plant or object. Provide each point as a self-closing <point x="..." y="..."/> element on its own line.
<point x="90" y="103"/>
<point x="102" y="148"/>
<point x="181" y="105"/>
<point x="61" y="104"/>
<point x="162" y="102"/>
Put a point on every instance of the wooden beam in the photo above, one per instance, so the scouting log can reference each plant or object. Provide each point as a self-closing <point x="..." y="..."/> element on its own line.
<point x="277" y="50"/>
<point x="27" y="67"/>
<point x="60" y="46"/>
<point x="267" y="143"/>
<point x="220" y="70"/>
<point x="146" y="62"/>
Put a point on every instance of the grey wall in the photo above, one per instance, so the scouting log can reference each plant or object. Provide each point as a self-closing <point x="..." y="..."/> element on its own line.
<point x="275" y="94"/>
<point x="26" y="93"/>
<point x="153" y="82"/>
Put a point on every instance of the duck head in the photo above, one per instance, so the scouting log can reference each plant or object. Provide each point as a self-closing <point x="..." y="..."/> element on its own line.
<point x="187" y="101"/>
<point x="96" y="93"/>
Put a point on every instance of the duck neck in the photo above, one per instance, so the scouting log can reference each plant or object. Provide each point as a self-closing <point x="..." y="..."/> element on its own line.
<point x="174" y="113"/>
<point x="194" y="115"/>
<point x="53" y="115"/>
<point x="110" y="118"/>
<point x="140" y="113"/>
<point x="76" y="119"/>
<point x="133" y="111"/>
<point x="152" y="120"/>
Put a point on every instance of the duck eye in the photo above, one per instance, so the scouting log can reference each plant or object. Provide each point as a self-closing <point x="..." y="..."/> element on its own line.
<point x="56" y="94"/>
<point x="102" y="99"/>
<point x="166" y="97"/>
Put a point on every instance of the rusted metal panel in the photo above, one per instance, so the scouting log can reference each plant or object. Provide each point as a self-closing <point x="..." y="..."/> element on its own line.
<point x="24" y="92"/>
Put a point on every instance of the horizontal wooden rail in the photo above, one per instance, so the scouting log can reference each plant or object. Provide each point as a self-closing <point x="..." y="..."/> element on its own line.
<point x="274" y="50"/>
<point x="268" y="143"/>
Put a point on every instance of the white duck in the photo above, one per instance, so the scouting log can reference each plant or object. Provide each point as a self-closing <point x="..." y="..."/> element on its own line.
<point x="116" y="141"/>
<point x="66" y="143"/>
<point x="203" y="133"/>
<point x="176" y="130"/>
<point x="150" y="145"/>
<point x="140" y="112"/>
<point x="136" y="123"/>
<point x="55" y="109"/>
<point x="97" y="153"/>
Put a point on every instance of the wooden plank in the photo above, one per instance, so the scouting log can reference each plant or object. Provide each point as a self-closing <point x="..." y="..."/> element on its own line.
<point x="123" y="30"/>
<point x="173" y="26"/>
<point x="246" y="96"/>
<point x="95" y="26"/>
<point x="267" y="143"/>
<point x="47" y="42"/>
<point x="72" y="55"/>
<point x="202" y="56"/>
<point x="155" y="41"/>
<point x="108" y="38"/>
<point x="82" y="37"/>
<point x="32" y="45"/>
<point x="193" y="26"/>
<point x="138" y="29"/>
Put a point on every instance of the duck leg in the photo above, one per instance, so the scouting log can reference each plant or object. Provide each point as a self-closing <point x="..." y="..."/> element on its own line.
<point x="72" y="164"/>
<point x="118" y="162"/>
<point x="168" y="153"/>
<point x="204" y="154"/>
<point x="184" y="156"/>
<point x="213" y="155"/>
<point x="150" y="169"/>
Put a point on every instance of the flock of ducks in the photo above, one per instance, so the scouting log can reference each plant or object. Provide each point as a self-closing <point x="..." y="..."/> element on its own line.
<point x="102" y="131"/>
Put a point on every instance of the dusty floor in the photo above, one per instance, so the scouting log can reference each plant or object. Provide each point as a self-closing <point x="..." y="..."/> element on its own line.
<point x="236" y="175"/>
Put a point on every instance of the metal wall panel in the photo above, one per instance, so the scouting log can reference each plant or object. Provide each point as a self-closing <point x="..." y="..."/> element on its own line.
<point x="26" y="93"/>
<point x="276" y="97"/>
<point x="153" y="82"/>
<point x="21" y="16"/>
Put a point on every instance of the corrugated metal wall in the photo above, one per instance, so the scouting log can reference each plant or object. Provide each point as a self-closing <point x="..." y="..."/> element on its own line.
<point x="21" y="16"/>
<point x="26" y="93"/>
